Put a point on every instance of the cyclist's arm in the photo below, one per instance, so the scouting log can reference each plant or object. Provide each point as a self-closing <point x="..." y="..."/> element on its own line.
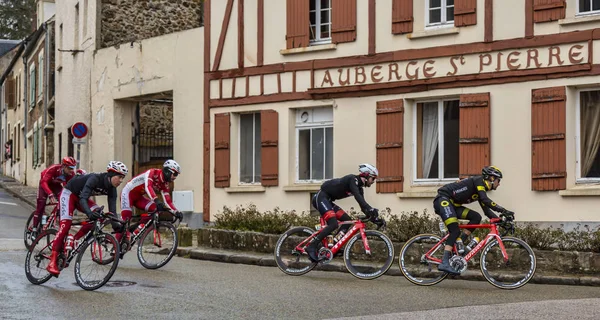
<point x="488" y="212"/>
<point x="44" y="182"/>
<point x="364" y="206"/>
<point x="112" y="200"/>
<point x="149" y="186"/>
<point x="483" y="199"/>
<point x="168" y="201"/>
<point x="86" y="193"/>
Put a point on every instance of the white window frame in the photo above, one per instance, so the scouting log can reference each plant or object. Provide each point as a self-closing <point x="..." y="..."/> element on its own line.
<point x="312" y="125"/>
<point x="578" y="178"/>
<point x="253" y="149"/>
<point x="587" y="13"/>
<point x="443" y="22"/>
<point x="318" y="40"/>
<point x="423" y="181"/>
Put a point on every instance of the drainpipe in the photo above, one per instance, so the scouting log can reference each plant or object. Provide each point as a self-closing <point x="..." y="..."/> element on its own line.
<point x="25" y="108"/>
<point x="46" y="86"/>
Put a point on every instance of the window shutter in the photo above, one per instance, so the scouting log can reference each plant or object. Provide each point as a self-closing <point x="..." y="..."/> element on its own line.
<point x="548" y="10"/>
<point x="343" y="21"/>
<point x="402" y="16"/>
<point x="269" y="136"/>
<point x="222" y="141"/>
<point x="548" y="145"/>
<point x="12" y="93"/>
<point x="465" y="13"/>
<point x="474" y="134"/>
<point x="390" y="134"/>
<point x="298" y="24"/>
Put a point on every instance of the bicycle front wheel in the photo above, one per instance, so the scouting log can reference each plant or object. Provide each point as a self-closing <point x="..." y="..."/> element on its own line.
<point x="289" y="260"/>
<point x="157" y="245"/>
<point x="372" y="264"/>
<point x="38" y="257"/>
<point x="415" y="266"/>
<point x="89" y="273"/>
<point x="512" y="273"/>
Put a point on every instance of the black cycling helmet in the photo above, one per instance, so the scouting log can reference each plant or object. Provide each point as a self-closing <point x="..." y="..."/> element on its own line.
<point x="491" y="171"/>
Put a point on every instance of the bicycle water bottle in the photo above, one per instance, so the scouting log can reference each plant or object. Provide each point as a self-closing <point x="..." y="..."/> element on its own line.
<point x="472" y="244"/>
<point x="138" y="229"/>
<point x="44" y="219"/>
<point x="69" y="244"/>
<point x="330" y="241"/>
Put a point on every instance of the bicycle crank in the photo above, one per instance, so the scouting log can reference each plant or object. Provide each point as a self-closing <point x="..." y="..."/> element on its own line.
<point x="458" y="263"/>
<point x="325" y="255"/>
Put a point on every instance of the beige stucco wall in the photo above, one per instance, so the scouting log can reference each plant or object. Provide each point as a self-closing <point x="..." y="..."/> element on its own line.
<point x="510" y="150"/>
<point x="15" y="168"/>
<point x="72" y="76"/>
<point x="172" y="62"/>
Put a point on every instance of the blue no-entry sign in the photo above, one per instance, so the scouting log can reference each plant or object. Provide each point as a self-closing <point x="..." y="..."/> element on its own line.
<point x="79" y="130"/>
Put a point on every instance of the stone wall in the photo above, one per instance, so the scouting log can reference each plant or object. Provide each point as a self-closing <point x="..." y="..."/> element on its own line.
<point x="156" y="116"/>
<point x="124" y="21"/>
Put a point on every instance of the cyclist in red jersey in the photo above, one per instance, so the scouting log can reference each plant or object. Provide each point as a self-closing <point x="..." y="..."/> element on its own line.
<point x="149" y="183"/>
<point x="52" y="180"/>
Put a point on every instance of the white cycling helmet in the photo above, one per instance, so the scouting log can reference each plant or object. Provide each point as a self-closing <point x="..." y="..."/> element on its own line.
<point x="367" y="170"/>
<point x="117" y="167"/>
<point x="173" y="166"/>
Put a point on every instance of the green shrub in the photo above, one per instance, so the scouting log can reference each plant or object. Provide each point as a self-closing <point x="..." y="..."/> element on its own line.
<point x="403" y="226"/>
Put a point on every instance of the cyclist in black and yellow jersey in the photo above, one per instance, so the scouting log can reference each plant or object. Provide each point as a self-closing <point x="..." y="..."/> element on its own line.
<point x="449" y="205"/>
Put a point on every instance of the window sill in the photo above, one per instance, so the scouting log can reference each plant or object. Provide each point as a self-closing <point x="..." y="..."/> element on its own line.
<point x="245" y="189"/>
<point x="429" y="194"/>
<point x="579" y="19"/>
<point x="320" y="47"/>
<point x="433" y="33"/>
<point x="581" y="191"/>
<point x="302" y="187"/>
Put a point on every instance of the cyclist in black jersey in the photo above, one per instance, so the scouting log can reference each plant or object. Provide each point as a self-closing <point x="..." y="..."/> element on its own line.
<point x="449" y="205"/>
<point x="334" y="189"/>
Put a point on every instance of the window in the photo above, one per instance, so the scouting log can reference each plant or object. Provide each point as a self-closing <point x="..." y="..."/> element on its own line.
<point x="32" y="88"/>
<point x="320" y="21"/>
<point x="436" y="128"/>
<point x="250" y="144"/>
<point x="314" y="134"/>
<point x="588" y="6"/>
<point x="439" y="12"/>
<point x="40" y="87"/>
<point x="588" y="141"/>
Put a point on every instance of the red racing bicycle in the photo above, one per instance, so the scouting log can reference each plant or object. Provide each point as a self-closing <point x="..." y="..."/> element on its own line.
<point x="46" y="222"/>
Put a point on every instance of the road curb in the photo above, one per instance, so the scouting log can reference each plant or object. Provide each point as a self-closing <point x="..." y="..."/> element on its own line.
<point x="17" y="195"/>
<point x="208" y="254"/>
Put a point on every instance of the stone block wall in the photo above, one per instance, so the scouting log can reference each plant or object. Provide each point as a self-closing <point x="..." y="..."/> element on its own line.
<point x="124" y="21"/>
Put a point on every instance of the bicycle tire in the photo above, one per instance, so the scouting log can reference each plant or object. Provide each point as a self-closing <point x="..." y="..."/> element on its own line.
<point x="492" y="280"/>
<point x="26" y="233"/>
<point x="84" y="248"/>
<point x="28" y="260"/>
<point x="381" y="271"/>
<point x="405" y="270"/>
<point x="278" y="256"/>
<point x="171" y="252"/>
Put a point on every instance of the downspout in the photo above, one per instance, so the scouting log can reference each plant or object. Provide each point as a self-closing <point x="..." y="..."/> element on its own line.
<point x="46" y="86"/>
<point x="25" y="108"/>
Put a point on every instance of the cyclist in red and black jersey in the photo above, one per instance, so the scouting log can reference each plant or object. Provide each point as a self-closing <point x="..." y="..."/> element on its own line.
<point x="449" y="205"/>
<point x="340" y="188"/>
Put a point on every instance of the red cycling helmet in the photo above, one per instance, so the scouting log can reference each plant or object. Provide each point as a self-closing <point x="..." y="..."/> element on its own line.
<point x="69" y="162"/>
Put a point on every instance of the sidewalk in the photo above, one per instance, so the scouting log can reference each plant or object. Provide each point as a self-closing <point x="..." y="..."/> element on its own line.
<point x="28" y="195"/>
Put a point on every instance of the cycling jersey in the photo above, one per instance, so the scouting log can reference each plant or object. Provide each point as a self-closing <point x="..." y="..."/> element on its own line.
<point x="53" y="177"/>
<point x="348" y="185"/>
<point x="93" y="184"/>
<point x="147" y="183"/>
<point x="469" y="190"/>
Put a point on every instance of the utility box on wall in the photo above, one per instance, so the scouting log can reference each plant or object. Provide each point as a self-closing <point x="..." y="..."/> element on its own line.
<point x="184" y="200"/>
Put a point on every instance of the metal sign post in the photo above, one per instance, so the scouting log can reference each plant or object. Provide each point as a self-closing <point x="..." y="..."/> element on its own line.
<point x="79" y="131"/>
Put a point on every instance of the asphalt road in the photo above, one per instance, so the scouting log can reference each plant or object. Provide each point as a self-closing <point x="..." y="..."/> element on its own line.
<point x="194" y="289"/>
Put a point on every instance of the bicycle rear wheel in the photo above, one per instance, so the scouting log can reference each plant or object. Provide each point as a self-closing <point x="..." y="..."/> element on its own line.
<point x="289" y="260"/>
<point x="513" y="273"/>
<point x="157" y="246"/>
<point x="415" y="266"/>
<point x="369" y="265"/>
<point x="27" y="232"/>
<point x="38" y="257"/>
<point x="89" y="274"/>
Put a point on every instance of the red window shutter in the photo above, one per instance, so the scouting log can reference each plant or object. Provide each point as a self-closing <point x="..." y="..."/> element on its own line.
<point x="222" y="141"/>
<point x="343" y="21"/>
<point x="465" y="13"/>
<point x="269" y="154"/>
<point x="474" y="134"/>
<point x="548" y="145"/>
<point x="298" y="24"/>
<point x="11" y="96"/>
<point x="390" y="135"/>
<point x="402" y="16"/>
<point x="548" y="10"/>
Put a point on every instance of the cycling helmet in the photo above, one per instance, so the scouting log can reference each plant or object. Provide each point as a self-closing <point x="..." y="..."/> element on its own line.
<point x="367" y="170"/>
<point x="69" y="162"/>
<point x="491" y="171"/>
<point x="117" y="167"/>
<point x="170" y="167"/>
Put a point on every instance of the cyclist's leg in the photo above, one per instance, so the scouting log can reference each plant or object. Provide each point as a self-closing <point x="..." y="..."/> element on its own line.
<point x="325" y="207"/>
<point x="67" y="205"/>
<point x="145" y="204"/>
<point x="341" y="215"/>
<point x="88" y="226"/>
<point x="42" y="197"/>
<point x="445" y="209"/>
<point x="126" y="211"/>
<point x="467" y="214"/>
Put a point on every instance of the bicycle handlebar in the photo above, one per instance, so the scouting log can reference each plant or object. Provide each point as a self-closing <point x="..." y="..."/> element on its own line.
<point x="380" y="222"/>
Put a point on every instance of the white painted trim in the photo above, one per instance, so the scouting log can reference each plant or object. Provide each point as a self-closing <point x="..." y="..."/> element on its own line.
<point x="578" y="178"/>
<point x="318" y="24"/>
<point x="443" y="23"/>
<point x="587" y="13"/>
